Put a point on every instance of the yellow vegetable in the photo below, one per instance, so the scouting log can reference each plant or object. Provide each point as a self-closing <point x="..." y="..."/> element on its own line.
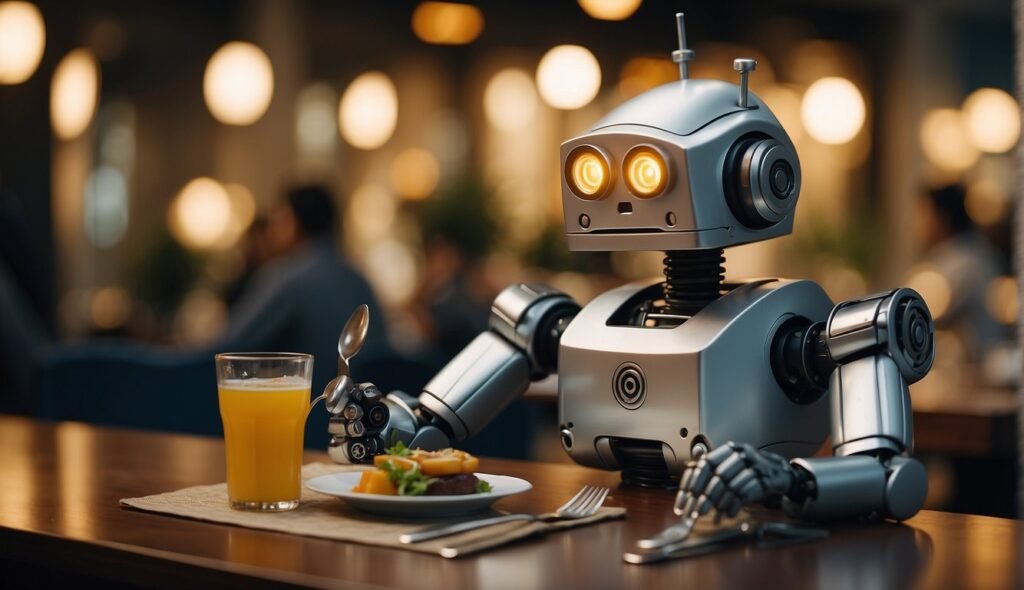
<point x="380" y="483"/>
<point x="361" y="486"/>
<point x="396" y="462"/>
<point x="442" y="465"/>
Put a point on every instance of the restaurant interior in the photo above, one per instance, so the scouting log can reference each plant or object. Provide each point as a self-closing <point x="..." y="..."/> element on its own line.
<point x="166" y="169"/>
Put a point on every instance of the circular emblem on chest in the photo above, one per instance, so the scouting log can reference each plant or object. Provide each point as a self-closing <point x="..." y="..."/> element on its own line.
<point x="629" y="386"/>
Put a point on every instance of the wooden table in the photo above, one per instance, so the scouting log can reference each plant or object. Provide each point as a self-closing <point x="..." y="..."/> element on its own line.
<point x="60" y="483"/>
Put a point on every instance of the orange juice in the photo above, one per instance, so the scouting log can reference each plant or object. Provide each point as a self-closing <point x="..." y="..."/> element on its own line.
<point x="264" y="420"/>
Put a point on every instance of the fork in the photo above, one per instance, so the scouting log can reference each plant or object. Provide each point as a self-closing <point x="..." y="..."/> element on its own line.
<point x="583" y="504"/>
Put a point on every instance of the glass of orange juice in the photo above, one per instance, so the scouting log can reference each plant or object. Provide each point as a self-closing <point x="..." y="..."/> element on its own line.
<point x="264" y="399"/>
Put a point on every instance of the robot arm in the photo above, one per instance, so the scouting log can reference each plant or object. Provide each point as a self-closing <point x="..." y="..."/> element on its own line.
<point x="521" y="346"/>
<point x="877" y="346"/>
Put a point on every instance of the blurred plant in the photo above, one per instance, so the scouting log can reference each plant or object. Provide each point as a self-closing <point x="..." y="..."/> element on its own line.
<point x="857" y="245"/>
<point x="464" y="216"/>
<point x="551" y="251"/>
<point x="163" y="274"/>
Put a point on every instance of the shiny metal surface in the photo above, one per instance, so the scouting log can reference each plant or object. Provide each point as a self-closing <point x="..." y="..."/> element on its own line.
<point x="477" y="384"/>
<point x="524" y="315"/>
<point x="711" y="375"/>
<point x="694" y="123"/>
<point x="905" y="488"/>
<point x="585" y="503"/>
<point x="870" y="407"/>
<point x="352" y="337"/>
<point x="846" y="487"/>
<point x="744" y="67"/>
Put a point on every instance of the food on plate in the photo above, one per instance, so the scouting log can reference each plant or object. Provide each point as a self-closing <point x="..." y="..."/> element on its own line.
<point x="415" y="472"/>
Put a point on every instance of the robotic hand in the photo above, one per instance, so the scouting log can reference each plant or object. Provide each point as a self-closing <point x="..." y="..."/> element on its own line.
<point x="521" y="346"/>
<point x="731" y="477"/>
<point x="877" y="346"/>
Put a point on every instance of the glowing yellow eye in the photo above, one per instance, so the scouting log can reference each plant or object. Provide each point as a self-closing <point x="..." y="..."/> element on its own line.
<point x="588" y="174"/>
<point x="646" y="173"/>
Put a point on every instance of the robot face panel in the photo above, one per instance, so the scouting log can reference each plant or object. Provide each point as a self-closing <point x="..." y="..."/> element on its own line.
<point x="682" y="166"/>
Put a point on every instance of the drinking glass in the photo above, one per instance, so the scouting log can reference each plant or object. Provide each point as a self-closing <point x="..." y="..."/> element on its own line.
<point x="264" y="399"/>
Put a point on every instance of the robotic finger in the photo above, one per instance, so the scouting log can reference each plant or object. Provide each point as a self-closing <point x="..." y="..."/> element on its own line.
<point x="726" y="479"/>
<point x="354" y="450"/>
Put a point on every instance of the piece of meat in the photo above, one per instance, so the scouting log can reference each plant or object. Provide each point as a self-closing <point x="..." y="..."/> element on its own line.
<point x="453" y="485"/>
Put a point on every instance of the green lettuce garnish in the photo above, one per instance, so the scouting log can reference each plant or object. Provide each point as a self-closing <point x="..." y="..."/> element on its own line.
<point x="410" y="482"/>
<point x="399" y="450"/>
<point x="482" y="487"/>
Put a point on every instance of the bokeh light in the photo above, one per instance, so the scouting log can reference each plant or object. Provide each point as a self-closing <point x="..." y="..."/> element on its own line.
<point x="200" y="214"/>
<point x="368" y="111"/>
<point x="315" y="119"/>
<point x="993" y="120"/>
<point x="987" y="202"/>
<point x="568" y="77"/>
<point x="22" y="39"/>
<point x="391" y="268"/>
<point x="243" y="211"/>
<point x="105" y="206"/>
<point x="610" y="9"/>
<point x="201" y="317"/>
<point x="109" y="308"/>
<point x="945" y="142"/>
<point x="371" y="213"/>
<point x="1002" y="300"/>
<point x="833" y="110"/>
<point x="510" y="100"/>
<point x="640" y="74"/>
<point x="933" y="287"/>
<point x="447" y="23"/>
<point x="785" y="103"/>
<point x="414" y="174"/>
<point x="239" y="83"/>
<point x="74" y="93"/>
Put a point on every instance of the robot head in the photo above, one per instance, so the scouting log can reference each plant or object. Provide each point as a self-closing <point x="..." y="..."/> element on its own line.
<point x="690" y="165"/>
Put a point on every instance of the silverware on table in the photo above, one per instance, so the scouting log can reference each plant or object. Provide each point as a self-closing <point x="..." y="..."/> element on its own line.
<point x="764" y="536"/>
<point x="583" y="504"/>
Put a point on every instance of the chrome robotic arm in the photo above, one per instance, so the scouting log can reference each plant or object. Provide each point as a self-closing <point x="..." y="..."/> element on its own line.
<point x="495" y="368"/>
<point x="874" y="348"/>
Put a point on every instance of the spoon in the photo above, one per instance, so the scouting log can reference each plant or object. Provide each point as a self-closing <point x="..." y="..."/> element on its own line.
<point x="352" y="336"/>
<point x="349" y="343"/>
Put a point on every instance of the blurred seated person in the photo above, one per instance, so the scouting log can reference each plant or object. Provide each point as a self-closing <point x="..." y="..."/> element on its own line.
<point x="300" y="300"/>
<point x="297" y="302"/>
<point x="458" y="232"/>
<point x="962" y="254"/>
<point x="256" y="251"/>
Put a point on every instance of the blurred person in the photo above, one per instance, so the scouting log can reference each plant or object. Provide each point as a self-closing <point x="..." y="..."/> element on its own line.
<point x="458" y="233"/>
<point x="300" y="300"/>
<point x="962" y="254"/>
<point x="256" y="251"/>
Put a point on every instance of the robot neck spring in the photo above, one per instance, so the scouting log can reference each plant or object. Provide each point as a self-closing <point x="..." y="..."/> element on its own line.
<point x="693" y="279"/>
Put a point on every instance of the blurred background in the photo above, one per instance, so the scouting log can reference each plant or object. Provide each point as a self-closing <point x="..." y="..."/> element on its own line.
<point x="150" y="152"/>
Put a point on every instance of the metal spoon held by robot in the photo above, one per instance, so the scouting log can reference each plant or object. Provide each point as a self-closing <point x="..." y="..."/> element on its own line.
<point x="349" y="343"/>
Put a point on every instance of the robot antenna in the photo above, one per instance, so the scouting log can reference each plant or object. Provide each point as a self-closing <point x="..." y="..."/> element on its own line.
<point x="682" y="55"/>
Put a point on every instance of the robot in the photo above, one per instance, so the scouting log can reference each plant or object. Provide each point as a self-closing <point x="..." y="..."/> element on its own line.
<point x="730" y="385"/>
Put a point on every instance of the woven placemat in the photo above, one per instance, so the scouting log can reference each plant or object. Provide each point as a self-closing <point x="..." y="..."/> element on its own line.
<point x="327" y="517"/>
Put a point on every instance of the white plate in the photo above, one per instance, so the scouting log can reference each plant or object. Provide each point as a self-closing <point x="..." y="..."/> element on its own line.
<point x="341" y="484"/>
